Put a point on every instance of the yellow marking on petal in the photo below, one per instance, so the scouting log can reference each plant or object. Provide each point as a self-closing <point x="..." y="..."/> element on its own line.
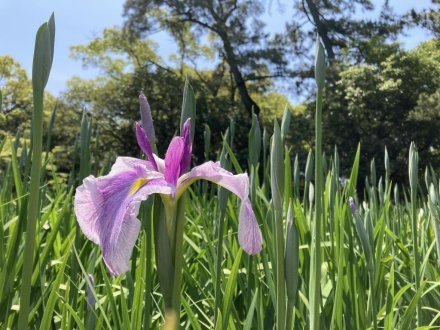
<point x="136" y="185"/>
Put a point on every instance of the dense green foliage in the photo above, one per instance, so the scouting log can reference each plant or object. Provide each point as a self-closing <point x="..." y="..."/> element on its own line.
<point x="15" y="117"/>
<point x="387" y="104"/>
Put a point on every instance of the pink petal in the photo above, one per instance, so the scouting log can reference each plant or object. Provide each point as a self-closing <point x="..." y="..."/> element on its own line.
<point x="173" y="158"/>
<point x="249" y="234"/>
<point x="238" y="184"/>
<point x="123" y="164"/>
<point x="106" y="209"/>
<point x="144" y="144"/>
<point x="88" y="202"/>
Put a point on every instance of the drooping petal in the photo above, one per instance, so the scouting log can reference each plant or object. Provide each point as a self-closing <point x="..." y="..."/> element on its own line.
<point x="107" y="208"/>
<point x="249" y="234"/>
<point x="238" y="184"/>
<point x="144" y="144"/>
<point x="187" y="151"/>
<point x="173" y="158"/>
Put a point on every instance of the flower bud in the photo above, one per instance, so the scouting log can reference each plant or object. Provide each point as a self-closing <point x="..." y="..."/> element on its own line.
<point x="146" y="118"/>
<point x="352" y="205"/>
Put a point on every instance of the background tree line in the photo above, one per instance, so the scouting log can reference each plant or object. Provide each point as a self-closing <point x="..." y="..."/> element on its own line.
<point x="376" y="93"/>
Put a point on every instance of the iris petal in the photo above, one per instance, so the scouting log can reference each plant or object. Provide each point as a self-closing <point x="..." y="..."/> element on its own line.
<point x="212" y="171"/>
<point x="107" y="209"/>
<point x="173" y="158"/>
<point x="124" y="164"/>
<point x="144" y="144"/>
<point x="146" y="118"/>
<point x="249" y="234"/>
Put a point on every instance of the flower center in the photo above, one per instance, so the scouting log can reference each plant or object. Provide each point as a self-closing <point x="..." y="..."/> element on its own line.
<point x="136" y="185"/>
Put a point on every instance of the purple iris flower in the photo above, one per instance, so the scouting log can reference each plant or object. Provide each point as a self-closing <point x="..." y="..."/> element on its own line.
<point x="352" y="205"/>
<point x="107" y="207"/>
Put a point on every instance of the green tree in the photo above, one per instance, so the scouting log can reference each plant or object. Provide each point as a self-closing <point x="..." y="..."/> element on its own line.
<point x="428" y="18"/>
<point x="128" y="65"/>
<point x="233" y="28"/>
<point x="346" y="34"/>
<point x="17" y="96"/>
<point x="390" y="104"/>
<point x="16" y="113"/>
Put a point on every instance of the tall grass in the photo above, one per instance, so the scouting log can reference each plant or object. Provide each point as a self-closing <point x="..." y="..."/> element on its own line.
<point x="321" y="266"/>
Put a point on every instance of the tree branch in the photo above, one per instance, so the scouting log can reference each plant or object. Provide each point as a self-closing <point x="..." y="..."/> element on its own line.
<point x="321" y="27"/>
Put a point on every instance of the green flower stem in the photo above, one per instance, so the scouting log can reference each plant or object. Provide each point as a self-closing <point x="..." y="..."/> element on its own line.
<point x="170" y="215"/>
<point x="315" y="265"/>
<point x="169" y="256"/>
<point x="163" y="254"/>
<point x="277" y="187"/>
<point x="84" y="171"/>
<point x="291" y="264"/>
<point x="33" y="212"/>
<point x="43" y="55"/>
<point x="223" y="196"/>
<point x="289" y="314"/>
<point x="281" y="281"/>
<point x="315" y="274"/>
<point x="413" y="180"/>
<point x="218" y="266"/>
<point x="178" y="255"/>
<point x="148" y="221"/>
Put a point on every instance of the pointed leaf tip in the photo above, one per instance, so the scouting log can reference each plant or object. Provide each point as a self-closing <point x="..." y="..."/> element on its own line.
<point x="188" y="107"/>
<point x="42" y="61"/>
<point x="319" y="64"/>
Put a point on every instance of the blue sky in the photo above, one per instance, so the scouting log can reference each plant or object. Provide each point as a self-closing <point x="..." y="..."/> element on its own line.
<point x="77" y="22"/>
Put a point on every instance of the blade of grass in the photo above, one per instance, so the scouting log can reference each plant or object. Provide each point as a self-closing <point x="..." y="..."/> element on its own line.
<point x="125" y="314"/>
<point x="229" y="291"/>
<point x="137" y="306"/>
<point x="49" y="307"/>
<point x="250" y="315"/>
<point x="192" y="317"/>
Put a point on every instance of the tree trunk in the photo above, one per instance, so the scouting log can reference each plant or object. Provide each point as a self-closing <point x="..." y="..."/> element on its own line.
<point x="248" y="102"/>
<point x="322" y="29"/>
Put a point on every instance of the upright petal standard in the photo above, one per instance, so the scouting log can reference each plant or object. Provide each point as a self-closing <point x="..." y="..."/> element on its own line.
<point x="107" y="207"/>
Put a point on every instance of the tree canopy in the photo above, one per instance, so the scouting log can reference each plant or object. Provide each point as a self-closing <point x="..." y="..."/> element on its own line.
<point x="233" y="28"/>
<point x="387" y="105"/>
<point x="128" y="65"/>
